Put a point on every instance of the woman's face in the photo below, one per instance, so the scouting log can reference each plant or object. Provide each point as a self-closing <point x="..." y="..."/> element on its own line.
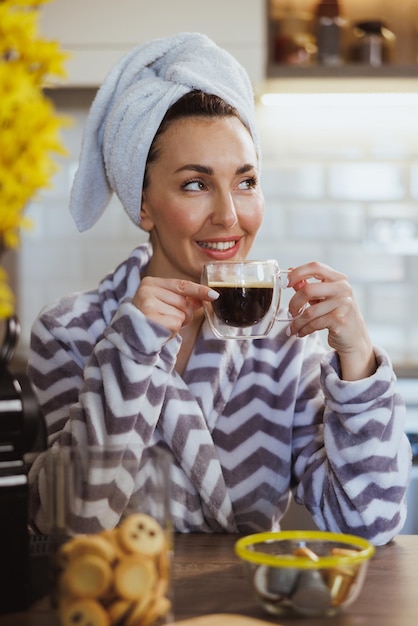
<point x="203" y="201"/>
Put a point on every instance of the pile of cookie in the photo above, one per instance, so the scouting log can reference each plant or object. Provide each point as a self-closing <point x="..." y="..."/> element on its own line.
<point x="116" y="577"/>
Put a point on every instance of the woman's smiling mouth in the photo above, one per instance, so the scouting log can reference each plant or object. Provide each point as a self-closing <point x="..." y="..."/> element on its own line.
<point x="217" y="245"/>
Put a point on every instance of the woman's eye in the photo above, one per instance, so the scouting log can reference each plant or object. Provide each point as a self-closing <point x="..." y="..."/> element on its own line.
<point x="194" y="185"/>
<point x="248" y="183"/>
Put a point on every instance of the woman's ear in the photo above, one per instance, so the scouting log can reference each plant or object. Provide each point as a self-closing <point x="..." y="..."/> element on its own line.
<point x="146" y="221"/>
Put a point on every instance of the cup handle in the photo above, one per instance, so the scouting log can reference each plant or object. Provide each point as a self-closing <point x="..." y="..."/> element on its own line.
<point x="284" y="283"/>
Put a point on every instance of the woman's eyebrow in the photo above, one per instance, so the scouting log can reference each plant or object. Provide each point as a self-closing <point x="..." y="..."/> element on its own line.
<point x="202" y="169"/>
<point x="206" y="169"/>
<point x="243" y="169"/>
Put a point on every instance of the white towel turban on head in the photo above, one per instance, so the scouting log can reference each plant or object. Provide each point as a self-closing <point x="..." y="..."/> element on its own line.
<point x="129" y="107"/>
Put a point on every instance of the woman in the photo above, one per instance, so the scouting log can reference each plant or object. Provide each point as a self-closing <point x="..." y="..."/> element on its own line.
<point x="172" y="132"/>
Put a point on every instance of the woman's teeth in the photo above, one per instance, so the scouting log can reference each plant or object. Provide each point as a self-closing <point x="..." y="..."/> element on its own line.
<point x="220" y="245"/>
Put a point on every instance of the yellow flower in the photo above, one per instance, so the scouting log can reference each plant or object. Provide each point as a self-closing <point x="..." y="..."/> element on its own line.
<point x="29" y="127"/>
<point x="6" y="296"/>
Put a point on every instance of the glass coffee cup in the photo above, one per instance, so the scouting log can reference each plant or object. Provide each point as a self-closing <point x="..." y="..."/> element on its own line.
<point x="249" y="298"/>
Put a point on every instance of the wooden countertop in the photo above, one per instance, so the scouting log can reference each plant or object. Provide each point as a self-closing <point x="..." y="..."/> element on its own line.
<point x="209" y="579"/>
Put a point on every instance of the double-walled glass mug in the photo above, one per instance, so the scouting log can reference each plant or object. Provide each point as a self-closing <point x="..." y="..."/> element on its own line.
<point x="249" y="298"/>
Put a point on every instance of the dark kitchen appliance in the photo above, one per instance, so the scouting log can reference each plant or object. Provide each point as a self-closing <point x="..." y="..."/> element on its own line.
<point x="22" y="430"/>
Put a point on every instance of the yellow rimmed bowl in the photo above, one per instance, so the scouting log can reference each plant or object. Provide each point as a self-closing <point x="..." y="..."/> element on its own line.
<point x="312" y="573"/>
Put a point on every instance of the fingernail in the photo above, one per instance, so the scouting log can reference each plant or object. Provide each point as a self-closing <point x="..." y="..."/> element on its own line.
<point x="288" y="331"/>
<point x="212" y="294"/>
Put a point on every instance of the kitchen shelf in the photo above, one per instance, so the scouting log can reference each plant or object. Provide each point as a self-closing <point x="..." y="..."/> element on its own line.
<point x="342" y="71"/>
<point x="403" y="68"/>
<point x="338" y="84"/>
<point x="343" y="79"/>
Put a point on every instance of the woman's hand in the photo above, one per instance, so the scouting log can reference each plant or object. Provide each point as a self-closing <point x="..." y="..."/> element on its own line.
<point x="332" y="305"/>
<point x="171" y="302"/>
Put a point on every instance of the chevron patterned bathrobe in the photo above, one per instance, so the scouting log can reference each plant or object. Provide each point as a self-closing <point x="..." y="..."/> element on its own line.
<point x="248" y="420"/>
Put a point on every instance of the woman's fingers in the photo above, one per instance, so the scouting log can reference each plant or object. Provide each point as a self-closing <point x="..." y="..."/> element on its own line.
<point x="331" y="302"/>
<point x="171" y="302"/>
<point x="314" y="271"/>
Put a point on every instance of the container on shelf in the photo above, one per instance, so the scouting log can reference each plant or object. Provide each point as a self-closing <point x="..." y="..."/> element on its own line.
<point x="373" y="43"/>
<point x="329" y="27"/>
<point x="293" y="40"/>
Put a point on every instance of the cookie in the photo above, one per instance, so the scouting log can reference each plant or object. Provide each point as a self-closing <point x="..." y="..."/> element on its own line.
<point x="91" y="544"/>
<point x="110" y="535"/>
<point x="158" y="608"/>
<point x="84" y="613"/>
<point x="135" y="576"/>
<point x="118" y="610"/>
<point x="141" y="534"/>
<point x="138" y="611"/>
<point x="88" y="576"/>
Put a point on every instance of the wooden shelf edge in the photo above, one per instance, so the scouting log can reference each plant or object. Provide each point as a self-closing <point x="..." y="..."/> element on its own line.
<point x="341" y="83"/>
<point x="342" y="71"/>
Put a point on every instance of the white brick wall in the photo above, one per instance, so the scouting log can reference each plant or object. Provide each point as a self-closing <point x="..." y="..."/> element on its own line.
<point x="343" y="175"/>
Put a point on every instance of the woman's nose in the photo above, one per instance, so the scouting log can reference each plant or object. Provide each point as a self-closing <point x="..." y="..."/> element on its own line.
<point x="224" y="212"/>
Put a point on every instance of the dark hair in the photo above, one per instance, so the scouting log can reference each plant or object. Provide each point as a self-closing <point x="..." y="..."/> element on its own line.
<point x="192" y="104"/>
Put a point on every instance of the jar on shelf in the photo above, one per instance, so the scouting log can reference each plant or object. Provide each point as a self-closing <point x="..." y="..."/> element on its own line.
<point x="373" y="43"/>
<point x="293" y="42"/>
<point x="329" y="32"/>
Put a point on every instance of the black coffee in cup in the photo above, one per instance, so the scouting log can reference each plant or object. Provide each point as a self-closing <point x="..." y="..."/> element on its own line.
<point x="242" y="305"/>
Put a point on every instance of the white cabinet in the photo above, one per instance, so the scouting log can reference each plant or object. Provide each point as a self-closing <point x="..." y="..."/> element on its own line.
<point x="98" y="32"/>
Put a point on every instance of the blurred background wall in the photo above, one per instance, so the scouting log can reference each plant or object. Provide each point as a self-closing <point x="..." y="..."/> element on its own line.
<point x="340" y="171"/>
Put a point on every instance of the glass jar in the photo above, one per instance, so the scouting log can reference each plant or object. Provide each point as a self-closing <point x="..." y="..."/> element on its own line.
<point x="373" y="43"/>
<point x="293" y="42"/>
<point x="111" y="534"/>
